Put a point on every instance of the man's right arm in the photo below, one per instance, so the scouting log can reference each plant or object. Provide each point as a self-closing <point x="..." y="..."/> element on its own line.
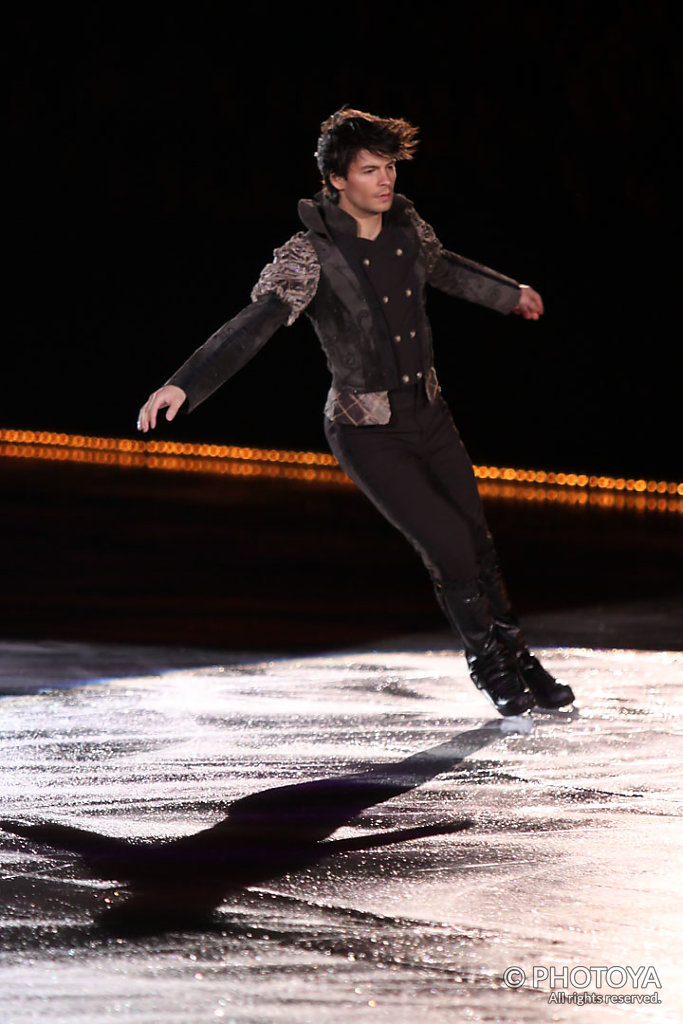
<point x="229" y="349"/>
<point x="284" y="289"/>
<point x="214" y="362"/>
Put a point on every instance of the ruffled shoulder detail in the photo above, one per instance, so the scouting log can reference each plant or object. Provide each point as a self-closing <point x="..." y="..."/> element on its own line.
<point x="293" y="275"/>
<point x="430" y="245"/>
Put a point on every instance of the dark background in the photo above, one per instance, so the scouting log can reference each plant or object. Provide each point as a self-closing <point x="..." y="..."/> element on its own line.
<point x="156" y="157"/>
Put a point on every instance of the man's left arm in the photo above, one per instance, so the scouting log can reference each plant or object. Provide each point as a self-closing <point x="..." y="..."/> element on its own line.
<point x="463" y="278"/>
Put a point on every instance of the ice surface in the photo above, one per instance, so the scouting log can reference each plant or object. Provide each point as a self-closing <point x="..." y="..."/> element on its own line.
<point x="354" y="837"/>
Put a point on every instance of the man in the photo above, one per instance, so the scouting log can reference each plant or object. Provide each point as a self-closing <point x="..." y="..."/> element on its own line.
<point x="359" y="273"/>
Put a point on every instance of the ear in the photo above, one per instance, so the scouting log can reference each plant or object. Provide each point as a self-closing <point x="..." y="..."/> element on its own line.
<point x="338" y="182"/>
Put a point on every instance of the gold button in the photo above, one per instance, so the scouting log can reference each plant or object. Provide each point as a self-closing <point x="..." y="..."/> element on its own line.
<point x="385" y="298"/>
<point x="397" y="337"/>
<point x="409" y="292"/>
<point x="419" y="374"/>
<point x="412" y="334"/>
<point x="405" y="378"/>
<point x="366" y="262"/>
<point x="399" y="252"/>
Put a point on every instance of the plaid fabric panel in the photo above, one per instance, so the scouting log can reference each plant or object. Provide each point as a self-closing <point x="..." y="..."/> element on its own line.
<point x="358" y="410"/>
<point x="371" y="408"/>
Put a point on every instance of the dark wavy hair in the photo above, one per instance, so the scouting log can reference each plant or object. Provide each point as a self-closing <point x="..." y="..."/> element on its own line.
<point x="347" y="131"/>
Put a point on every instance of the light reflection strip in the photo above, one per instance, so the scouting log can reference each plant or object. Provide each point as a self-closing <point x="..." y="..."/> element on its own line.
<point x="319" y="467"/>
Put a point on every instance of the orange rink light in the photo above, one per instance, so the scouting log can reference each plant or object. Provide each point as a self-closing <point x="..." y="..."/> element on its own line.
<point x="495" y="482"/>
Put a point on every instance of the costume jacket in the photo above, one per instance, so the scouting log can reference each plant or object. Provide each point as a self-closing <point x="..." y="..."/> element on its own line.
<point x="310" y="274"/>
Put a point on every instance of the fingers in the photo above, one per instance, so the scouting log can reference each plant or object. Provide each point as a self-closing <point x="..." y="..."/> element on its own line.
<point x="147" y="417"/>
<point x="526" y="313"/>
<point x="530" y="304"/>
<point x="143" y="420"/>
<point x="535" y="305"/>
<point x="174" y="405"/>
<point x="169" y="397"/>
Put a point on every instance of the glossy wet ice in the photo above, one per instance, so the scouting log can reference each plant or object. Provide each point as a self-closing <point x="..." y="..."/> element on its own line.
<point x="402" y="848"/>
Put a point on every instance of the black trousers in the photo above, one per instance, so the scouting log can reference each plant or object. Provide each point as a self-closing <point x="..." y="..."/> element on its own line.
<point x="418" y="474"/>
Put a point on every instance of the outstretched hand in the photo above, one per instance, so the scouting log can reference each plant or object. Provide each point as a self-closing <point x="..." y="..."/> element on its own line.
<point x="169" y="397"/>
<point x="530" y="304"/>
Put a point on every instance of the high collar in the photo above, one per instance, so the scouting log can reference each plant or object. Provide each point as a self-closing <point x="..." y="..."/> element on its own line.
<point x="337" y="220"/>
<point x="322" y="216"/>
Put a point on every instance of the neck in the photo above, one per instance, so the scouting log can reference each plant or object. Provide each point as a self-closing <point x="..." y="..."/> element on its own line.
<point x="368" y="225"/>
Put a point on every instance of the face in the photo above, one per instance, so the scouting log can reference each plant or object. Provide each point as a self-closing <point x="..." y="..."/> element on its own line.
<point x="368" y="187"/>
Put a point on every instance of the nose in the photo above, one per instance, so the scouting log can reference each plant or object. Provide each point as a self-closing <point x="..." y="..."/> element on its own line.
<point x="387" y="176"/>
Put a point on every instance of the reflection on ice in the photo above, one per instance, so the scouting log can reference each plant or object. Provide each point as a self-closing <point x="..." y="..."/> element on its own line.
<point x="339" y="787"/>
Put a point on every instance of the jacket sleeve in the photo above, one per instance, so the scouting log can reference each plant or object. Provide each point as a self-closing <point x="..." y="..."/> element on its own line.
<point x="461" y="277"/>
<point x="228" y="349"/>
<point x="282" y="292"/>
